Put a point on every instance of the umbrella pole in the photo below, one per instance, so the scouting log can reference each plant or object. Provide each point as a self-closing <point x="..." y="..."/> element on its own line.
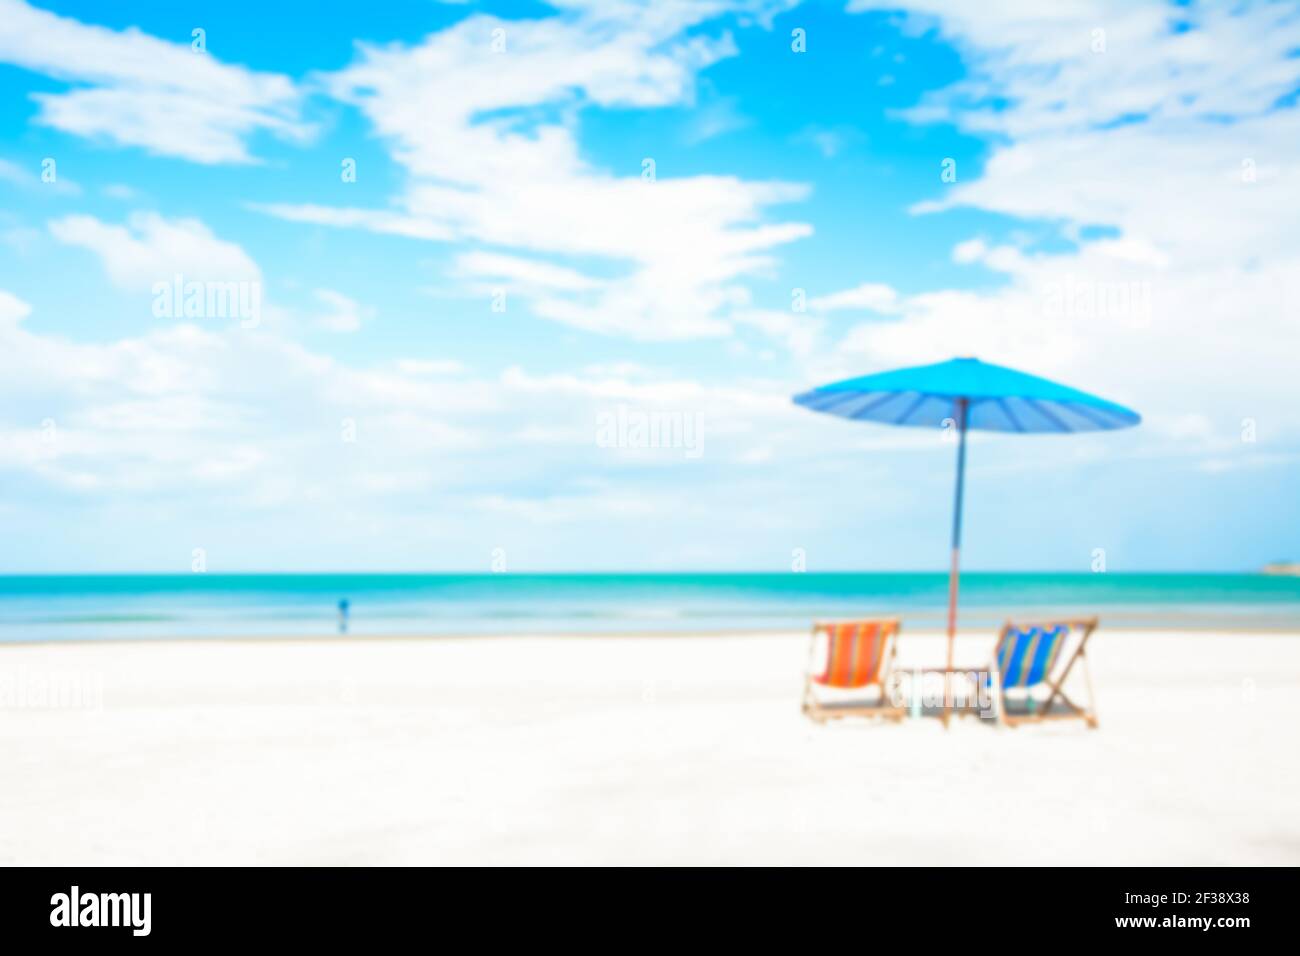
<point x="954" y="572"/>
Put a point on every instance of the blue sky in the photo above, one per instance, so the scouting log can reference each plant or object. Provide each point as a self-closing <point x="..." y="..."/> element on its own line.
<point x="439" y="347"/>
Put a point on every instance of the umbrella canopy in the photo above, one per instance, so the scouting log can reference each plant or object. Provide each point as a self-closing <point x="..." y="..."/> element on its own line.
<point x="961" y="394"/>
<point x="996" y="399"/>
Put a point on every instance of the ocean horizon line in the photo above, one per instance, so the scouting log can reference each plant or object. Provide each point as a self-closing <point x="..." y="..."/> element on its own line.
<point x="120" y="605"/>
<point x="1257" y="572"/>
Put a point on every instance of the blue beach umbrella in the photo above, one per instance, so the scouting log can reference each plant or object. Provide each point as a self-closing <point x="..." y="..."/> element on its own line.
<point x="961" y="394"/>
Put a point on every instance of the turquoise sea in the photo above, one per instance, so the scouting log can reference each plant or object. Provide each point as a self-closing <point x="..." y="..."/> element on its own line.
<point x="106" y="607"/>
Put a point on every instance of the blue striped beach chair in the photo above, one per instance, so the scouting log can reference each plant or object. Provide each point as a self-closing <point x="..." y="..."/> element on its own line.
<point x="1030" y="665"/>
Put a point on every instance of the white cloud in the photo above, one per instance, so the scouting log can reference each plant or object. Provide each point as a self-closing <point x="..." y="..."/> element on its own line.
<point x="394" y="224"/>
<point x="1075" y="66"/>
<point x="429" y="366"/>
<point x="1171" y="138"/>
<point x="277" y="436"/>
<point x="121" y="192"/>
<point x="830" y="142"/>
<point x="342" y="314"/>
<point x="11" y="172"/>
<point x="525" y="273"/>
<point x="214" y="437"/>
<point x="463" y="120"/>
<point x="719" y="117"/>
<point x="1185" y="310"/>
<point x="137" y="90"/>
<point x="25" y="178"/>
<point x="871" y="296"/>
<point x="185" y="403"/>
<point x="12" y="309"/>
<point x="611" y="386"/>
<point x="798" y="332"/>
<point x="150" y="249"/>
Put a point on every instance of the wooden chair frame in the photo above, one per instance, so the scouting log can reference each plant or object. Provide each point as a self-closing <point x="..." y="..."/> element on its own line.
<point x="1063" y="666"/>
<point x="820" y="711"/>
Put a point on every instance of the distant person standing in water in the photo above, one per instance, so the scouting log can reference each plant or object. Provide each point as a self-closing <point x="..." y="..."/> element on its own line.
<point x="343" y="615"/>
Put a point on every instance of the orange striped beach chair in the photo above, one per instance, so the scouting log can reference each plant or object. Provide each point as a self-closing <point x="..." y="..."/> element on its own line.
<point x="1030" y="665"/>
<point x="859" y="655"/>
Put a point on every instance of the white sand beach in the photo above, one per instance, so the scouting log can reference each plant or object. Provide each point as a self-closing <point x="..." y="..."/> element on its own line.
<point x="637" y="750"/>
